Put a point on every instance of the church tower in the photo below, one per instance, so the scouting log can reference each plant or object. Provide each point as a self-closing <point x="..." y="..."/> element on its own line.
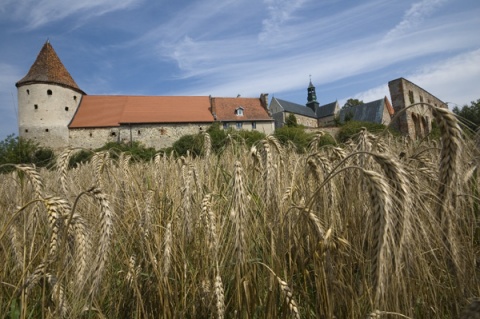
<point x="312" y="98"/>
<point x="48" y="98"/>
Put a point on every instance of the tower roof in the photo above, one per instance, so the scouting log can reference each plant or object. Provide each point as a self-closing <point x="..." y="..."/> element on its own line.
<point x="48" y="69"/>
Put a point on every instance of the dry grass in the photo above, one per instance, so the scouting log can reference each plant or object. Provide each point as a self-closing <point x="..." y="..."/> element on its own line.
<point x="379" y="227"/>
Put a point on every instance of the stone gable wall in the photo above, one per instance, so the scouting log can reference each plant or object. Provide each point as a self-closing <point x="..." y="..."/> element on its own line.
<point x="416" y="121"/>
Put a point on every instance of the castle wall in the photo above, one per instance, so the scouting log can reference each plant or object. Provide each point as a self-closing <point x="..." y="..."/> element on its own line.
<point x="151" y="135"/>
<point x="415" y="121"/>
<point x="304" y="120"/>
<point x="44" y="113"/>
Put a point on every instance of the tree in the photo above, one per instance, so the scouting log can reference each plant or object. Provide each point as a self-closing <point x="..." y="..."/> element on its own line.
<point x="469" y="114"/>
<point x="17" y="150"/>
<point x="291" y="121"/>
<point x="352" y="102"/>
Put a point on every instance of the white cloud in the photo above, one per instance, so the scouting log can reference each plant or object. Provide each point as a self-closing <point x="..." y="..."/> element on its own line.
<point x="8" y="99"/>
<point x="280" y="12"/>
<point x="454" y="80"/>
<point x="37" y="13"/>
<point x="414" y="16"/>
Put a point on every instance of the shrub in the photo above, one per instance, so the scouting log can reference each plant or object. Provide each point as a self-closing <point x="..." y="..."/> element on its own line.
<point x="351" y="128"/>
<point x="297" y="135"/>
<point x="188" y="143"/>
<point x="17" y="150"/>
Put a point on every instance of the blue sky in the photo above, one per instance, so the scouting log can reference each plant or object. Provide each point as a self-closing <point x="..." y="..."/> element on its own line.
<point x="350" y="48"/>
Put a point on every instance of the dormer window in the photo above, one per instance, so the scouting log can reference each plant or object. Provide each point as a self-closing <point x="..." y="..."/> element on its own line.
<point x="239" y="111"/>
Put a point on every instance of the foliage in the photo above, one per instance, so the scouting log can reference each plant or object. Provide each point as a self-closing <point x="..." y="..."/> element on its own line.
<point x="17" y="150"/>
<point x="352" y="102"/>
<point x="291" y="121"/>
<point x="297" y="135"/>
<point x="192" y="144"/>
<point x="351" y="128"/>
<point x="136" y="149"/>
<point x="469" y="114"/>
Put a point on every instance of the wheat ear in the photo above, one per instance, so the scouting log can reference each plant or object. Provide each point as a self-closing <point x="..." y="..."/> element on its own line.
<point x="106" y="229"/>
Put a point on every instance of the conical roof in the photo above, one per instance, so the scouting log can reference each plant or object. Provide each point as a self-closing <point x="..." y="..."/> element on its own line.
<point x="48" y="68"/>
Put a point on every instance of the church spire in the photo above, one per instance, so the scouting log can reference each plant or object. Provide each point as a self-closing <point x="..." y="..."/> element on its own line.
<point x="312" y="96"/>
<point x="48" y="69"/>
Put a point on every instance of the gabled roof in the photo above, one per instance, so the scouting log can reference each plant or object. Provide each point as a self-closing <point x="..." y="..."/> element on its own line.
<point x="368" y="112"/>
<point x="114" y="110"/>
<point x="327" y="109"/>
<point x="296" y="108"/>
<point x="48" y="69"/>
<point x="224" y="109"/>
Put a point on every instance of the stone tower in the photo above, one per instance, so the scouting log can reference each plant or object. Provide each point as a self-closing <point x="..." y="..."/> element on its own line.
<point x="48" y="98"/>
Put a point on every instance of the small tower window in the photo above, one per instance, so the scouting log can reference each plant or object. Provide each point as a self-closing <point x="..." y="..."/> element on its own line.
<point x="74" y="97"/>
<point x="46" y="130"/>
<point x="66" y="108"/>
<point x="138" y="132"/>
<point x="49" y="92"/>
<point x="26" y="131"/>
<point x="36" y="106"/>
<point x="28" y="92"/>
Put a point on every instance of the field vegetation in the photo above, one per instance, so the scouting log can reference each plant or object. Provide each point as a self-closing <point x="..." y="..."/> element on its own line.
<point x="376" y="227"/>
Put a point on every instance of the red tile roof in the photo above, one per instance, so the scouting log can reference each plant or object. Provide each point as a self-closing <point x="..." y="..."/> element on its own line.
<point x="253" y="110"/>
<point x="48" y="68"/>
<point x="113" y="110"/>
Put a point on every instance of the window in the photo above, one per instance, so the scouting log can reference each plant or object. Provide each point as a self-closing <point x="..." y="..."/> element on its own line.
<point x="225" y="125"/>
<point x="46" y="130"/>
<point x="138" y="132"/>
<point x="239" y="125"/>
<point x="90" y="134"/>
<point x="254" y="125"/>
<point x="36" y="106"/>
<point x="49" y="92"/>
<point x="410" y="96"/>
<point x="26" y="131"/>
<point x="421" y="99"/>
<point x="113" y="134"/>
<point x="239" y="111"/>
<point x="74" y="97"/>
<point x="28" y="92"/>
<point x="66" y="108"/>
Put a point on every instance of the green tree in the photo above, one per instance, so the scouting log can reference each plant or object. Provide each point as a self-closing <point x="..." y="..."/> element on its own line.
<point x="291" y="121"/>
<point x="17" y="150"/>
<point x="469" y="114"/>
<point x="352" y="102"/>
<point x="297" y="135"/>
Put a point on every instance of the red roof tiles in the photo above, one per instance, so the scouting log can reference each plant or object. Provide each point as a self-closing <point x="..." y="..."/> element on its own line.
<point x="48" y="68"/>
<point x="224" y="109"/>
<point x="111" y="110"/>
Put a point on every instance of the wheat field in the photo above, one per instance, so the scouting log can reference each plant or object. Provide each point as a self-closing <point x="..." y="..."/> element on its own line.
<point x="380" y="227"/>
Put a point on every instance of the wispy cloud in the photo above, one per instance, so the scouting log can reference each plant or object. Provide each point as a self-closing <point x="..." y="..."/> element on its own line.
<point x="37" y="13"/>
<point x="8" y="95"/>
<point x="414" y="16"/>
<point x="279" y="12"/>
<point x="453" y="80"/>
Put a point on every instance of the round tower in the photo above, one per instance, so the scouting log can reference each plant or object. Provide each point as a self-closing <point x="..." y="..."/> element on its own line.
<point x="48" y="98"/>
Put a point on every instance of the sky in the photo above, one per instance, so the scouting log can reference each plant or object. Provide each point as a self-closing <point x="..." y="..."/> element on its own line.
<point x="348" y="48"/>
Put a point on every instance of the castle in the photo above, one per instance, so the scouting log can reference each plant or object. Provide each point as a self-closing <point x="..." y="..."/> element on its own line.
<point x="56" y="113"/>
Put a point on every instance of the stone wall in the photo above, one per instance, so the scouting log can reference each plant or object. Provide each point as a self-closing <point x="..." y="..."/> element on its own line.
<point x="44" y="111"/>
<point x="304" y="120"/>
<point x="150" y="135"/>
<point x="415" y="121"/>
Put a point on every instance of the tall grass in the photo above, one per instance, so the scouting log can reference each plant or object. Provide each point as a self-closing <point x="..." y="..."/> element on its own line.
<point x="379" y="227"/>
